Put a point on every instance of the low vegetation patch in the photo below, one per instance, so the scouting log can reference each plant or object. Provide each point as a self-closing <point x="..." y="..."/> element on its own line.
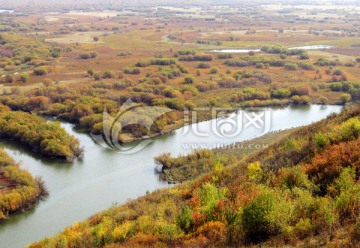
<point x="48" y="138"/>
<point x="18" y="189"/>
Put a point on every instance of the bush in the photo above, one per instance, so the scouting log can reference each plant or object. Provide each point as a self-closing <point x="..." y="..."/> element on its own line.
<point x="350" y="129"/>
<point x="108" y="74"/>
<point x="90" y="72"/>
<point x="185" y="220"/>
<point x="89" y="55"/>
<point x="327" y="166"/>
<point x="47" y="82"/>
<point x="280" y="93"/>
<point x="155" y="61"/>
<point x="260" y="65"/>
<point x="292" y="178"/>
<point x="355" y="234"/>
<point x="338" y="72"/>
<point x="183" y="69"/>
<point x="348" y="201"/>
<point x="301" y="100"/>
<point x="203" y="87"/>
<point x="184" y="52"/>
<point x="130" y="70"/>
<point x="265" y="215"/>
<point x="225" y="56"/>
<point x="337" y="87"/>
<point x="283" y="56"/>
<point x="254" y="172"/>
<point x="214" y="70"/>
<point x="97" y="77"/>
<point x="188" y="88"/>
<point x="24" y="78"/>
<point x="189" y="80"/>
<point x="325" y="62"/>
<point x="345" y="98"/>
<point x="208" y="206"/>
<point x="9" y="78"/>
<point x="237" y="63"/>
<point x="291" y="66"/>
<point x="303" y="90"/>
<point x="324" y="100"/>
<point x="304" y="56"/>
<point x="171" y="93"/>
<point x="85" y="56"/>
<point x="355" y="94"/>
<point x="303" y="227"/>
<point x="306" y="66"/>
<point x="40" y="71"/>
<point x="196" y="58"/>
<point x="204" y="65"/>
<point x="321" y="141"/>
<point x="250" y="94"/>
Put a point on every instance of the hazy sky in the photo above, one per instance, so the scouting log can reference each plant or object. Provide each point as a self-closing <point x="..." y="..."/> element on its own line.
<point x="127" y="3"/>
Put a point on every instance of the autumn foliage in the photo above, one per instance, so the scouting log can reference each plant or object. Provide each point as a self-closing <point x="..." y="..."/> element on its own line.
<point x="49" y="138"/>
<point x="18" y="189"/>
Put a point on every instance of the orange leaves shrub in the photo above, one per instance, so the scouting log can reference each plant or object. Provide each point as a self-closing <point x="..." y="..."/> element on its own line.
<point x="213" y="231"/>
<point x="327" y="166"/>
<point x="38" y="103"/>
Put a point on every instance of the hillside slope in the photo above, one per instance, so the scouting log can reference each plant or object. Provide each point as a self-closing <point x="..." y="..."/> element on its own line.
<point x="301" y="191"/>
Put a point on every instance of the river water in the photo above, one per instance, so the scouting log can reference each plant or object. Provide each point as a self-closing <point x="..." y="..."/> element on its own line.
<point x="104" y="177"/>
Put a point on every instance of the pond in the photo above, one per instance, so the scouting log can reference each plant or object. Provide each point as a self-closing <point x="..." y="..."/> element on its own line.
<point x="6" y="10"/>
<point x="311" y="47"/>
<point x="105" y="177"/>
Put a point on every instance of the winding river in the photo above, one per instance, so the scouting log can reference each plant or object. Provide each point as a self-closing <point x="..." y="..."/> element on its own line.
<point x="105" y="177"/>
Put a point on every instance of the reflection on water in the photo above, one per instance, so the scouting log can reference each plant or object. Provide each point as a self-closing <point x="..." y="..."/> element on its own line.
<point x="80" y="189"/>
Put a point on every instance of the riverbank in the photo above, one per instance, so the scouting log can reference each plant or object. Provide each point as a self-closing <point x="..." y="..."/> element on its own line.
<point x="187" y="167"/>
